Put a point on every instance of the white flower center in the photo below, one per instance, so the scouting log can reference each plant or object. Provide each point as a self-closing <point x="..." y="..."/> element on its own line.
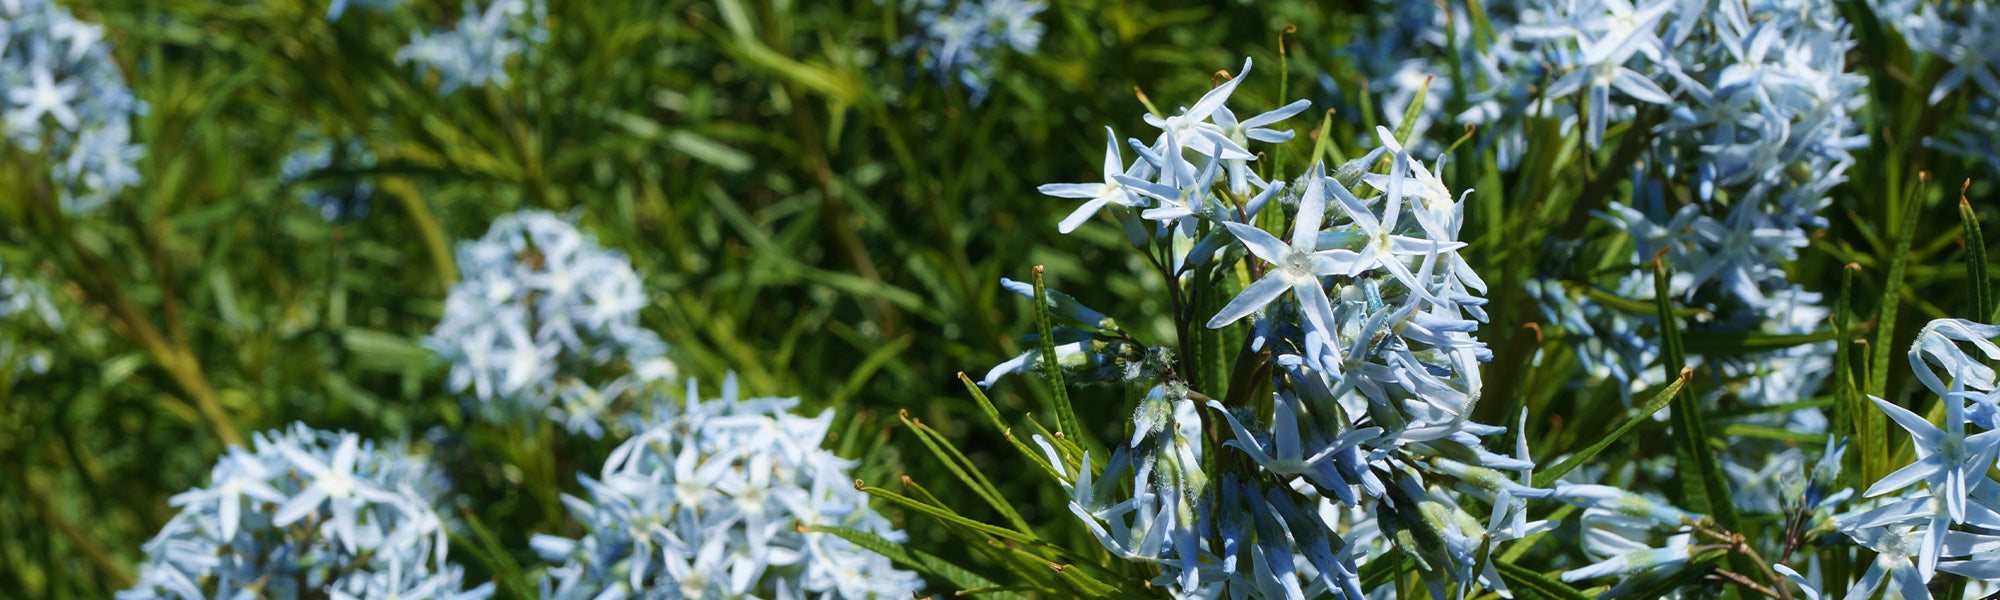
<point x="338" y="484"/>
<point x="1296" y="267"/>
<point x="694" y="585"/>
<point x="1899" y="545"/>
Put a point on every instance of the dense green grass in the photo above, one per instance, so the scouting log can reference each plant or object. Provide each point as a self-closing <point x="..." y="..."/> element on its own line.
<point x="809" y="210"/>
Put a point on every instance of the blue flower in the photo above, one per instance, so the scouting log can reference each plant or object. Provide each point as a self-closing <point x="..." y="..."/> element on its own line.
<point x="963" y="42"/>
<point x="59" y="84"/>
<point x="1097" y="195"/>
<point x="1375" y="369"/>
<point x="476" y="52"/>
<point x="306" y="511"/>
<point x="1948" y="460"/>
<point x="540" y="313"/>
<point x="1297" y="267"/>
<point x="708" y="502"/>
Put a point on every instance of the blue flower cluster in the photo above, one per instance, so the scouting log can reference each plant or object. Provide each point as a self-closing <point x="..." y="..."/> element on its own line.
<point x="306" y="512"/>
<point x="959" y="38"/>
<point x="1352" y="436"/>
<point x="1961" y="34"/>
<point x="476" y="52"/>
<point x="62" y="97"/>
<point x="545" y="322"/>
<point x="709" y="504"/>
<point x="1736" y="164"/>
<point x="1948" y="523"/>
<point x="335" y="200"/>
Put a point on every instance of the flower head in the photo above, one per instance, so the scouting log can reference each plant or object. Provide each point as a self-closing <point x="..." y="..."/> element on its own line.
<point x="540" y="311"/>
<point x="303" y="511"/>
<point x="710" y="503"/>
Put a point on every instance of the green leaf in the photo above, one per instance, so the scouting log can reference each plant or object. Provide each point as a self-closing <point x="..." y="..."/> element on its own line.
<point x="1550" y="475"/>
<point x="1520" y="579"/>
<point x="1892" y="294"/>
<point x="1708" y="343"/>
<point x="1382" y="570"/>
<point x="1324" y="146"/>
<point x="993" y="414"/>
<point x="1851" y="413"/>
<point x="1410" y="114"/>
<point x="1885" y="333"/>
<point x="1044" y="323"/>
<point x="1772" y="433"/>
<point x="1975" y="262"/>
<point x="1693" y="570"/>
<point x="915" y="559"/>
<point x="710" y="151"/>
<point x="1703" y="487"/>
<point x="985" y="405"/>
<point x="379" y="351"/>
<point x="947" y="515"/>
<point x="963" y="468"/>
<point x="1083" y="582"/>
<point x="1482" y="28"/>
<point x="1623" y="304"/>
<point x="488" y="549"/>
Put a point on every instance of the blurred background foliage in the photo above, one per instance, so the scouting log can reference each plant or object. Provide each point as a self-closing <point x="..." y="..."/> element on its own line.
<point x="809" y="208"/>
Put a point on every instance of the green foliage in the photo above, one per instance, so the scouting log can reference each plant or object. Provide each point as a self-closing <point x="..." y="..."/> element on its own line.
<point x="813" y="215"/>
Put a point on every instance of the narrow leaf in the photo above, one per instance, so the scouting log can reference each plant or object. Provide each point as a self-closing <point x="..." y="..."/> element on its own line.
<point x="1083" y="582"/>
<point x="1892" y="295"/>
<point x="1324" y="146"/>
<point x="1708" y="343"/>
<point x="489" y="550"/>
<point x="946" y="515"/>
<point x="1885" y="334"/>
<point x="963" y="468"/>
<point x="986" y="405"/>
<point x="1851" y="413"/>
<point x="1975" y="261"/>
<point x="1065" y="414"/>
<point x="1703" y="487"/>
<point x="1410" y="114"/>
<point x="1694" y="569"/>
<point x="1645" y="414"/>
<point x="1520" y="579"/>
<point x="915" y="559"/>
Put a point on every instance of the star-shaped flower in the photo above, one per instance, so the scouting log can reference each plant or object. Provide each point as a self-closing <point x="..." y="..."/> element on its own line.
<point x="1096" y="195"/>
<point x="1947" y="459"/>
<point x="1297" y="266"/>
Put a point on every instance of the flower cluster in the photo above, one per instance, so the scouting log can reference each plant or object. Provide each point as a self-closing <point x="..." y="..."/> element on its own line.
<point x="25" y="301"/>
<point x="475" y="53"/>
<point x="306" y="512"/>
<point x="710" y="504"/>
<point x="1762" y="134"/>
<point x="62" y="97"/>
<point x="546" y="322"/>
<point x="1947" y="524"/>
<point x="335" y="201"/>
<point x="1403" y="53"/>
<point x="1352" y="435"/>
<point x="1959" y="33"/>
<point x="1741" y="155"/>
<point x="1733" y="167"/>
<point x="1634" y="537"/>
<point x="959" y="39"/>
